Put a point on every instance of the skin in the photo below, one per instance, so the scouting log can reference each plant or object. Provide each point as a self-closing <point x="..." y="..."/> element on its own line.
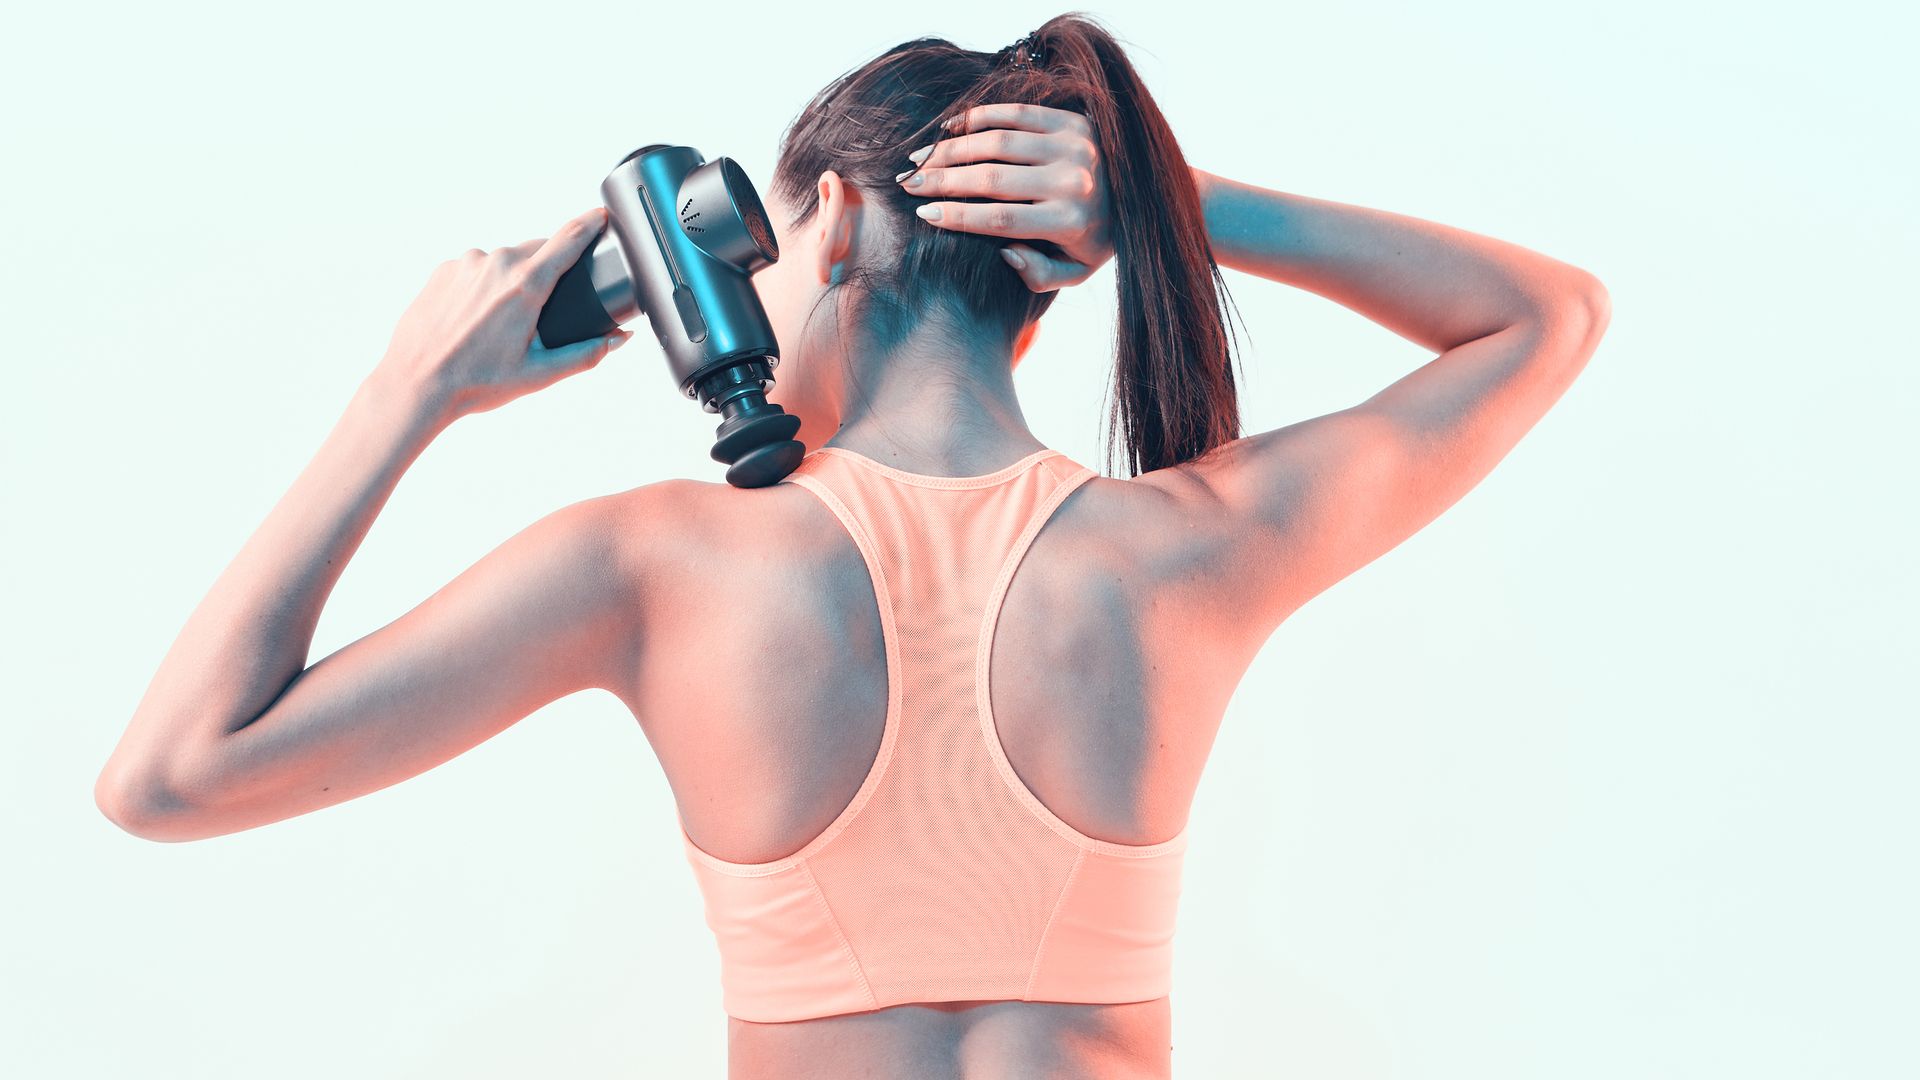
<point x="1121" y="640"/>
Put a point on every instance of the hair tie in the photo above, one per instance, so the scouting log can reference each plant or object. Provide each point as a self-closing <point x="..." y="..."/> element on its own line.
<point x="1028" y="52"/>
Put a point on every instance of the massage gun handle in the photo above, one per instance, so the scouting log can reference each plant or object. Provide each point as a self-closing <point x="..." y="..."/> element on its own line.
<point x="574" y="312"/>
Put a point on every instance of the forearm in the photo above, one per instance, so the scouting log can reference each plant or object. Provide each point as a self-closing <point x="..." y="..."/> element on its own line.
<point x="249" y="636"/>
<point x="1433" y="284"/>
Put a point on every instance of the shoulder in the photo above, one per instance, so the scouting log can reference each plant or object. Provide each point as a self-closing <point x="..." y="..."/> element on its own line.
<point x="702" y="511"/>
<point x="1162" y="540"/>
<point x="1160" y="524"/>
<point x="675" y="528"/>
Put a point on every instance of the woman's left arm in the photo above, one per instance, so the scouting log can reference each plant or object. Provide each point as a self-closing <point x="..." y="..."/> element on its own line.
<point x="236" y="731"/>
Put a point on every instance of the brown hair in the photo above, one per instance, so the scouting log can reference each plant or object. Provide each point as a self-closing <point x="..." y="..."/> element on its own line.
<point x="1175" y="396"/>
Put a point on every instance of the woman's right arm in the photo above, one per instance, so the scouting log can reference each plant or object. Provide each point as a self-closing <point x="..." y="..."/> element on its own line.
<point x="1303" y="506"/>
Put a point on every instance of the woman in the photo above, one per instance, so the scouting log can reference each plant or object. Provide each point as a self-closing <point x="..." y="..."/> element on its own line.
<point x="941" y="836"/>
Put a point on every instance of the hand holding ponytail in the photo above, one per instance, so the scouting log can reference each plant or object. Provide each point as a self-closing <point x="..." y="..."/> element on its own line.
<point x="1051" y="160"/>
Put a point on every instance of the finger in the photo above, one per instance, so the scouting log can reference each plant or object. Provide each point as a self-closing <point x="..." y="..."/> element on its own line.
<point x="989" y="218"/>
<point x="578" y="356"/>
<point x="523" y="249"/>
<point x="999" y="144"/>
<point x="1041" y="272"/>
<point x="1014" y="114"/>
<point x="989" y="181"/>
<point x="564" y="249"/>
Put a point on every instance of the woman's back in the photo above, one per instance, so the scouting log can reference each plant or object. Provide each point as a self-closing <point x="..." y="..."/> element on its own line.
<point x="1110" y="669"/>
<point x="1108" y="673"/>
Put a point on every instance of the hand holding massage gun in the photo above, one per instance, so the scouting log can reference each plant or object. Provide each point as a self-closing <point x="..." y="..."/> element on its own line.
<point x="683" y="238"/>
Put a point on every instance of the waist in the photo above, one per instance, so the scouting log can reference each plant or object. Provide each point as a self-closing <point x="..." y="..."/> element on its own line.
<point x="963" y="1040"/>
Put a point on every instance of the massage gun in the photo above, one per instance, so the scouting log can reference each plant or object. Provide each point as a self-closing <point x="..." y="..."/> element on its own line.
<point x="684" y="237"/>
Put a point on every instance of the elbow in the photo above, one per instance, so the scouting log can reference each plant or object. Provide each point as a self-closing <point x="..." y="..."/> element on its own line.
<point x="1571" y="314"/>
<point x="139" y="808"/>
<point x="1592" y="307"/>
<point x="1596" y="304"/>
<point x="120" y="804"/>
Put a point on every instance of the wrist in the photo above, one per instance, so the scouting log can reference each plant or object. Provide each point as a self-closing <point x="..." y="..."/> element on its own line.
<point x="1208" y="188"/>
<point x="411" y="403"/>
<point x="1202" y="181"/>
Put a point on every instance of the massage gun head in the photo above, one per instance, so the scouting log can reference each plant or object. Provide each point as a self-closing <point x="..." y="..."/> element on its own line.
<point x="684" y="237"/>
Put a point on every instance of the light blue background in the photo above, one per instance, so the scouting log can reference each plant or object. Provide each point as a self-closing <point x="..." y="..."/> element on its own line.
<point x="1607" y="773"/>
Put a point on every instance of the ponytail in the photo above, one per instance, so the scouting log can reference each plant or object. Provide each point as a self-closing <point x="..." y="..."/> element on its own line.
<point x="1175" y="396"/>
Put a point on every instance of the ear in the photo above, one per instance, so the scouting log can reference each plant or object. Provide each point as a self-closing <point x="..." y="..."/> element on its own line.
<point x="1025" y="341"/>
<point x="837" y="218"/>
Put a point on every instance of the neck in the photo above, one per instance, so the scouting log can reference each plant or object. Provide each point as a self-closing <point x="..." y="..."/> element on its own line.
<point x="929" y="408"/>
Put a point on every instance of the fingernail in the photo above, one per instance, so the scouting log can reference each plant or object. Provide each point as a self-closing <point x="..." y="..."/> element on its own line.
<point x="1013" y="258"/>
<point x="920" y="155"/>
<point x="916" y="179"/>
<point x="902" y="176"/>
<point x="952" y="123"/>
<point x="928" y="211"/>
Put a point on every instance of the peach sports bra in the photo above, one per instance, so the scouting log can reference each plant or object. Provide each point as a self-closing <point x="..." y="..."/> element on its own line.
<point x="945" y="878"/>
